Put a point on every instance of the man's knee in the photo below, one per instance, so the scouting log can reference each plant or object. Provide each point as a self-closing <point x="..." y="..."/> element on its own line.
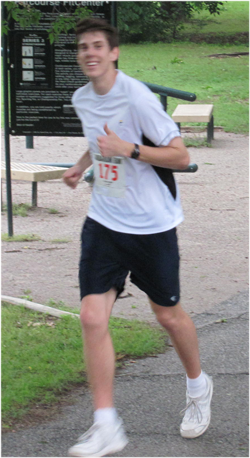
<point x="96" y="309"/>
<point x="90" y="315"/>
<point x="167" y="320"/>
<point x="169" y="317"/>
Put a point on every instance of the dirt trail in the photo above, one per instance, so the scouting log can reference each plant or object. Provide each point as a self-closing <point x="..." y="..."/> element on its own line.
<point x="213" y="238"/>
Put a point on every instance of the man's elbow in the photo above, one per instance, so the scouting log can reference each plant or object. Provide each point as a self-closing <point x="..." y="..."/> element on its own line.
<point x="184" y="160"/>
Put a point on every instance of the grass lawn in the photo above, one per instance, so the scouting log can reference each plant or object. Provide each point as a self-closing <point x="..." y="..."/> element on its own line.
<point x="223" y="82"/>
<point x="232" y="19"/>
<point x="42" y="355"/>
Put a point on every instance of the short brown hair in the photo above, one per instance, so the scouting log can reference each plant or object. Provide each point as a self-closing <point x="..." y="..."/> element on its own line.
<point x="98" y="25"/>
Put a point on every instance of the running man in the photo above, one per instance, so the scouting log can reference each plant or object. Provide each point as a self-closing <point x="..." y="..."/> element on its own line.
<point x="130" y="228"/>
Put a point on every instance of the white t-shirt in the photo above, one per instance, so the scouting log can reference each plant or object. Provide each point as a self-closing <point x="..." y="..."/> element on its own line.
<point x="128" y="195"/>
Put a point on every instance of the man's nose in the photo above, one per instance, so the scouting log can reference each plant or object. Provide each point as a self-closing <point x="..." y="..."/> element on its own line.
<point x="90" y="51"/>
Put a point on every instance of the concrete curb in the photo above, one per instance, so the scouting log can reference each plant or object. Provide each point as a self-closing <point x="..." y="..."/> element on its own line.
<point x="37" y="307"/>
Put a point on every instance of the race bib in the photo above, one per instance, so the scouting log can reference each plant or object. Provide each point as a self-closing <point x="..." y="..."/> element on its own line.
<point x="109" y="175"/>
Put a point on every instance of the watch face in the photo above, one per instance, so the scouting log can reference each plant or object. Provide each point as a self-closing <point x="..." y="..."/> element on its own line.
<point x="136" y="153"/>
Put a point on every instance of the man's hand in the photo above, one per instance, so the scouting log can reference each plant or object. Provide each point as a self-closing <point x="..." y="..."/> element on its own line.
<point x="72" y="176"/>
<point x="111" y="145"/>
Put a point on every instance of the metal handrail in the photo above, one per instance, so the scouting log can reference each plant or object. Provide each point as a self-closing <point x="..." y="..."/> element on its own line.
<point x="165" y="91"/>
<point x="89" y="174"/>
<point x="191" y="168"/>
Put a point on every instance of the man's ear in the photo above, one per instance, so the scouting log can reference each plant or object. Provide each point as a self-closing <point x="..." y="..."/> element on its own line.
<point x="115" y="54"/>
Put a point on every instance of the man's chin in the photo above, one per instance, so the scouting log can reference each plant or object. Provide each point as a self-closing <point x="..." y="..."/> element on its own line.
<point x="92" y="75"/>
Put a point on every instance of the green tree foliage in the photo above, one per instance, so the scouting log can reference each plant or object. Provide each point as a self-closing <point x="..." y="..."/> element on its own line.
<point x="158" y="21"/>
<point x="175" y="14"/>
<point x="137" y="21"/>
<point x="212" y="7"/>
<point x="26" y="15"/>
<point x="21" y="12"/>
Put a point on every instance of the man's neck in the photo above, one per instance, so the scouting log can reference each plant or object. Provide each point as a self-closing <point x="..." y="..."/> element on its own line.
<point x="103" y="84"/>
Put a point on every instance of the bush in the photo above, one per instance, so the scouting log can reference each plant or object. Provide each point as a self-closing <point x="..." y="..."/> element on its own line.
<point x="140" y="22"/>
<point x="157" y="21"/>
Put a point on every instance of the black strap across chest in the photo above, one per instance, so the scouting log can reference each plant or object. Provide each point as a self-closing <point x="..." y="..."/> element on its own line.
<point x="166" y="175"/>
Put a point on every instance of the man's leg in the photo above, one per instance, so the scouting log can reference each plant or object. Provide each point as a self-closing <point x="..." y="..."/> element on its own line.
<point x="183" y="335"/>
<point x="107" y="434"/>
<point x="98" y="347"/>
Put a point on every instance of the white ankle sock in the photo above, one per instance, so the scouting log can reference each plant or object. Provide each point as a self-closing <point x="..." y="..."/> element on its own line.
<point x="196" y="387"/>
<point x="106" y="415"/>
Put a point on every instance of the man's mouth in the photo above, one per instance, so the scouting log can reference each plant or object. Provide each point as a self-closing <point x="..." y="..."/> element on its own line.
<point x="91" y="64"/>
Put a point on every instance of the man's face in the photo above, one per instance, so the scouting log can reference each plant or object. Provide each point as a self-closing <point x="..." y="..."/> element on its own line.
<point x="94" y="54"/>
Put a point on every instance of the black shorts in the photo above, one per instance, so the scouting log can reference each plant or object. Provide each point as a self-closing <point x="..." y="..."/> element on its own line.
<point x="108" y="256"/>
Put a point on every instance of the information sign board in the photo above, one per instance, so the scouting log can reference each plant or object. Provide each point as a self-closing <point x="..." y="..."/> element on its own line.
<point x="43" y="77"/>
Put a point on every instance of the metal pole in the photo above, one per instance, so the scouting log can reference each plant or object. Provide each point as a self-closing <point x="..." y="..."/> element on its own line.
<point x="29" y="142"/>
<point x="1" y="200"/>
<point x="7" y="130"/>
<point x="114" y="14"/>
<point x="164" y="101"/>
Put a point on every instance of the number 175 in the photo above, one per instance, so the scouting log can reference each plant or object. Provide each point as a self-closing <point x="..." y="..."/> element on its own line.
<point x="108" y="172"/>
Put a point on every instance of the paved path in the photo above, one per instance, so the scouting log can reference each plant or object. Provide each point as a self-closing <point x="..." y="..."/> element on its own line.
<point x="151" y="392"/>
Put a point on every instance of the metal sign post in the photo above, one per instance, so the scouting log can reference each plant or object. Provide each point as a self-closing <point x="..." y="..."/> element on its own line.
<point x="7" y="129"/>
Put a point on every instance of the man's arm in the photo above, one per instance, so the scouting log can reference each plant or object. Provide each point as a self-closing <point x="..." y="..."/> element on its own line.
<point x="173" y="156"/>
<point x="73" y="175"/>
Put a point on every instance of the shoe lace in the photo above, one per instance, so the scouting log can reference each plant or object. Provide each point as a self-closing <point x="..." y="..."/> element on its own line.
<point x="193" y="410"/>
<point x="84" y="437"/>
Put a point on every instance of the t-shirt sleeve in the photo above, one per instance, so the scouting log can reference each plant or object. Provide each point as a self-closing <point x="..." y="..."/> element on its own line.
<point x="155" y="123"/>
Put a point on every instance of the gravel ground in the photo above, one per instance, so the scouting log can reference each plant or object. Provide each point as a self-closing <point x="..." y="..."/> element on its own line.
<point x="213" y="238"/>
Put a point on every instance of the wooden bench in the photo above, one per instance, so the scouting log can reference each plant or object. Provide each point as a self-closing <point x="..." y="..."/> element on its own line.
<point x="33" y="173"/>
<point x="195" y="113"/>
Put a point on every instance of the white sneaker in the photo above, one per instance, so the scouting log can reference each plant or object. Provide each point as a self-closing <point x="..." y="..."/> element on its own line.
<point x="100" y="440"/>
<point x="197" y="413"/>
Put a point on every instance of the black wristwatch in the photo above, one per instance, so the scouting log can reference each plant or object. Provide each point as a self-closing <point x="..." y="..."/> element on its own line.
<point x="136" y="152"/>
